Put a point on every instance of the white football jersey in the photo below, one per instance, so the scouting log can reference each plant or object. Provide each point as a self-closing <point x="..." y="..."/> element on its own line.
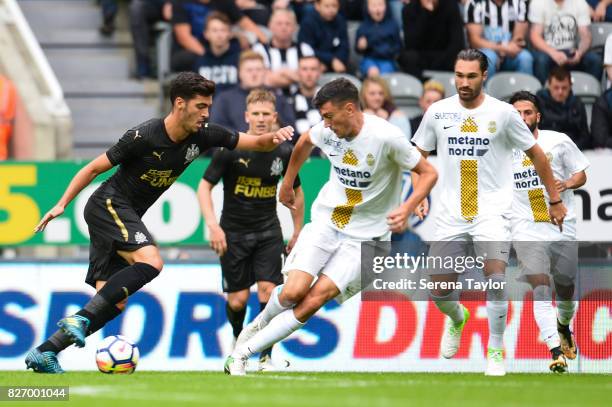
<point x="474" y="148"/>
<point x="530" y="196"/>
<point x="365" y="178"/>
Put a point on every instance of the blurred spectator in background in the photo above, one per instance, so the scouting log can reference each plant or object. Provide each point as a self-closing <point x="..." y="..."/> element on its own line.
<point x="188" y="20"/>
<point x="229" y="107"/>
<point x="109" y="8"/>
<point x="561" y="110"/>
<point x="144" y="14"/>
<point x="607" y="60"/>
<point x="222" y="52"/>
<point x="281" y="54"/>
<point x="499" y="29"/>
<point x="378" y="39"/>
<point x="8" y="103"/>
<point x="376" y="99"/>
<point x="561" y="36"/>
<point x="433" y="36"/>
<point x="432" y="92"/>
<point x="601" y="10"/>
<point x="601" y="121"/>
<point x="325" y="31"/>
<point x="306" y="114"/>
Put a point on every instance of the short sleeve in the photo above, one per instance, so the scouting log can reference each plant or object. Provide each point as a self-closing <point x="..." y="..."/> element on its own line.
<point x="425" y="136"/>
<point x="608" y="51"/>
<point x="518" y="133"/>
<point x="261" y="50"/>
<point x="218" y="136"/>
<point x="583" y="17"/>
<point x="218" y="166"/>
<point x="128" y="146"/>
<point x="575" y="160"/>
<point x="470" y="14"/>
<point x="179" y="14"/>
<point x="316" y="134"/>
<point x="536" y="12"/>
<point x="402" y="152"/>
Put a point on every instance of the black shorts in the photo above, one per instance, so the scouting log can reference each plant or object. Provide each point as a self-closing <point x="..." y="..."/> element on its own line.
<point x="113" y="225"/>
<point x="252" y="257"/>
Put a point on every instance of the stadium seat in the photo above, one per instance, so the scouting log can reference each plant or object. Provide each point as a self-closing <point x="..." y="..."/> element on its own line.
<point x="354" y="57"/>
<point x="330" y="76"/>
<point x="405" y="89"/>
<point x="588" y="89"/>
<point x="600" y="32"/>
<point x="585" y="86"/>
<point x="504" y="84"/>
<point x="446" y="78"/>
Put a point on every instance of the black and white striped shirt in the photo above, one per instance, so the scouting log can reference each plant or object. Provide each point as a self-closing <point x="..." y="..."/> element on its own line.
<point x="306" y="115"/>
<point x="489" y="14"/>
<point x="276" y="58"/>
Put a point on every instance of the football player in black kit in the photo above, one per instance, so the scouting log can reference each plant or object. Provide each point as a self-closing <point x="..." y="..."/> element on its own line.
<point x="249" y="240"/>
<point x="123" y="255"/>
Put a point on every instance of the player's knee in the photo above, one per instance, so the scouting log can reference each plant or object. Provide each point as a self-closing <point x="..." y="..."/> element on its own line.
<point x="292" y="295"/>
<point x="237" y="303"/>
<point x="154" y="261"/>
<point x="264" y="291"/>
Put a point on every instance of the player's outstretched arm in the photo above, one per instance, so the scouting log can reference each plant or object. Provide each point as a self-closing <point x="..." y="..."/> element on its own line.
<point x="427" y="177"/>
<point x="299" y="155"/>
<point x="265" y="142"/>
<point x="81" y="180"/>
<point x="297" y="215"/>
<point x="556" y="208"/>
<point x="217" y="235"/>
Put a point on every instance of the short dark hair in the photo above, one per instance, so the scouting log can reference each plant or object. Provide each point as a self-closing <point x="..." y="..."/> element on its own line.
<point x="472" y="54"/>
<point x="338" y="91"/>
<point x="217" y="15"/>
<point x="524" y="95"/>
<point x="187" y="85"/>
<point x="560" y="74"/>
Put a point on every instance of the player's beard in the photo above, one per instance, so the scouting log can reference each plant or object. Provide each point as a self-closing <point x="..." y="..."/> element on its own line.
<point x="473" y="94"/>
<point x="532" y="126"/>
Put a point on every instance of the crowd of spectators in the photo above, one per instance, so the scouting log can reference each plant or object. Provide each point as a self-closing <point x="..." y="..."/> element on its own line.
<point x="286" y="45"/>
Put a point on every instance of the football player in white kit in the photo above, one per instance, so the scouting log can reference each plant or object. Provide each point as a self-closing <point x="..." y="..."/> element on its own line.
<point x="474" y="135"/>
<point x="543" y="251"/>
<point x="360" y="202"/>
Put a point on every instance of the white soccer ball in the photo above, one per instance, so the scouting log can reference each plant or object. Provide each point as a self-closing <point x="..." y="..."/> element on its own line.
<point x="117" y="355"/>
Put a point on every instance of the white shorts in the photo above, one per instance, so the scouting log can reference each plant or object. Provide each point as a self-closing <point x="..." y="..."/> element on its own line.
<point x="320" y="249"/>
<point x="489" y="235"/>
<point x="542" y="249"/>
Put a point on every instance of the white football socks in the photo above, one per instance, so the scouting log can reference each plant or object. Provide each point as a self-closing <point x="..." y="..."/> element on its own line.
<point x="278" y="329"/>
<point x="497" y="312"/>
<point x="545" y="317"/>
<point x="274" y="307"/>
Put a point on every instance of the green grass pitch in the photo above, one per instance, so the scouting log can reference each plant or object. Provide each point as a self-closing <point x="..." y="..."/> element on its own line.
<point x="319" y="389"/>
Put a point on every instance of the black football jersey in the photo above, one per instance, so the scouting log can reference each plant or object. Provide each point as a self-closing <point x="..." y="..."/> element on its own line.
<point x="250" y="182"/>
<point x="149" y="161"/>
